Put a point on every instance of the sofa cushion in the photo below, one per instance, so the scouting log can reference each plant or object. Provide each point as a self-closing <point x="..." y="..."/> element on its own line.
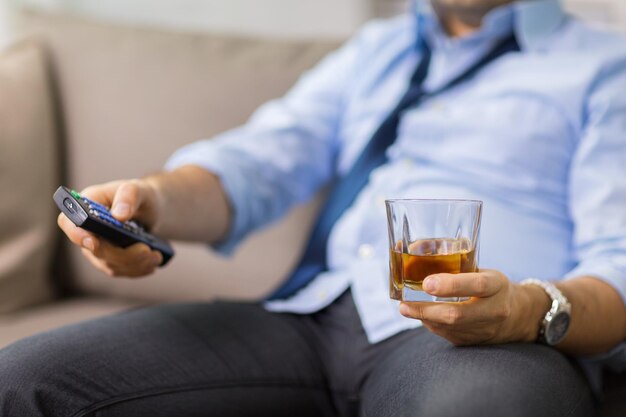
<point x="28" y="175"/>
<point x="131" y="96"/>
<point x="24" y="323"/>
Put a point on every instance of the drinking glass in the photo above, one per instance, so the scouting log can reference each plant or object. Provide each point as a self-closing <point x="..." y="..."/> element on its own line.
<point x="428" y="237"/>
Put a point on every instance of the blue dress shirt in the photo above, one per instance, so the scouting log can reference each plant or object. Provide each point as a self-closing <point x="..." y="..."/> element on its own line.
<point x="539" y="136"/>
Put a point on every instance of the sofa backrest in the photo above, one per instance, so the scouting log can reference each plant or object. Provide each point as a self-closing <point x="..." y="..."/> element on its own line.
<point x="130" y="96"/>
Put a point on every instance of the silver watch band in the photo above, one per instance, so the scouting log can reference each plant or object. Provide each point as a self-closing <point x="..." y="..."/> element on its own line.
<point x="560" y="308"/>
<point x="553" y="292"/>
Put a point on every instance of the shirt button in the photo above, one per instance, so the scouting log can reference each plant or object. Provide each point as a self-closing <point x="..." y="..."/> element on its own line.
<point x="408" y="162"/>
<point x="438" y="106"/>
<point x="366" y="251"/>
<point x="322" y="294"/>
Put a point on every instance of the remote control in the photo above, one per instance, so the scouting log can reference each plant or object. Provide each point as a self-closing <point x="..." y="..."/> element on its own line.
<point x="97" y="219"/>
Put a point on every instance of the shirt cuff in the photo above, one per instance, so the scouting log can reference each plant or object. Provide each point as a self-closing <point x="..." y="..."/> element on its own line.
<point x="234" y="185"/>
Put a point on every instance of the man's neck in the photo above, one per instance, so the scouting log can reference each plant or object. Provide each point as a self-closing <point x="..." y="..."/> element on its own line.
<point x="460" y="21"/>
<point x="456" y="27"/>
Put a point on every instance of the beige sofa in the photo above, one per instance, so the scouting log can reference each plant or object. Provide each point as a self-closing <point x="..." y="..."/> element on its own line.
<point x="83" y="103"/>
<point x="97" y="103"/>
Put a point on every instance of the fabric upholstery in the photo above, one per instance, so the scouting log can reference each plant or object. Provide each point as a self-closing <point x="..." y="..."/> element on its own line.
<point x="28" y="173"/>
<point x="17" y="325"/>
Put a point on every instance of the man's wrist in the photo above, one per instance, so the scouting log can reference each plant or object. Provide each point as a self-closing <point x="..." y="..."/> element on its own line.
<point x="182" y="199"/>
<point x="154" y="199"/>
<point x="534" y="304"/>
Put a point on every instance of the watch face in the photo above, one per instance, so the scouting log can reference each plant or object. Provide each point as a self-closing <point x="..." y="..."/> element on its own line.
<point x="557" y="328"/>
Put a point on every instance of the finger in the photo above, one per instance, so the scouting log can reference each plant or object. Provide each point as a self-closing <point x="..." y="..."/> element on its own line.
<point x="450" y="314"/>
<point x="455" y="337"/>
<point x="137" y="271"/>
<point x="102" y="193"/>
<point x="97" y="263"/>
<point x="474" y="312"/>
<point x="136" y="254"/>
<point x="126" y="201"/>
<point x="157" y="257"/>
<point x="137" y="268"/>
<point x="473" y="284"/>
<point x="76" y="235"/>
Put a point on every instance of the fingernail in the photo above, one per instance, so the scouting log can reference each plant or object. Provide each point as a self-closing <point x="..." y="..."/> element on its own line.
<point x="404" y="309"/>
<point x="88" y="244"/>
<point x="121" y="210"/>
<point x="431" y="284"/>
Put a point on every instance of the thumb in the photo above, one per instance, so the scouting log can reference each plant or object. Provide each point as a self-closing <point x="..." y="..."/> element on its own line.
<point x="126" y="201"/>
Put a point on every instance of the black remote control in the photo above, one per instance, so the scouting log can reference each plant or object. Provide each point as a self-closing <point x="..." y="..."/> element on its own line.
<point x="97" y="219"/>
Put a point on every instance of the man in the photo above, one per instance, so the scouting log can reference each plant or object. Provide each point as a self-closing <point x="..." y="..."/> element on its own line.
<point x="512" y="103"/>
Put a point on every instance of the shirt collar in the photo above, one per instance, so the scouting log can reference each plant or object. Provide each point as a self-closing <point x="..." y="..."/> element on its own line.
<point x="532" y="20"/>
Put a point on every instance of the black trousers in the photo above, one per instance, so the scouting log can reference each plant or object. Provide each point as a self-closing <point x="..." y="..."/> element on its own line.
<point x="235" y="359"/>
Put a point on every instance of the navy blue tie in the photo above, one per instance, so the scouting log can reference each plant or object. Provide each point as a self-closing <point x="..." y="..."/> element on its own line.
<point x="344" y="192"/>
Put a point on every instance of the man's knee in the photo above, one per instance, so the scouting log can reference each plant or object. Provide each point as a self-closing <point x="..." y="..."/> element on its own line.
<point x="34" y="377"/>
<point x="507" y="380"/>
<point x="517" y="384"/>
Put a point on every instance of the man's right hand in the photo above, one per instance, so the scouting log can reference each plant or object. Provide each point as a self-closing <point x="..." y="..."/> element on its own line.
<point x="133" y="199"/>
<point x="187" y="204"/>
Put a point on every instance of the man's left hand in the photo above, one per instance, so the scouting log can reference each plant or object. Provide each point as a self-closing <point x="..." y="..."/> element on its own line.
<point x="497" y="312"/>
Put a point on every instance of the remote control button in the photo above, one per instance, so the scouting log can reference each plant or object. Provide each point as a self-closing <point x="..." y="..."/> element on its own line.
<point x="99" y="209"/>
<point x="75" y="194"/>
<point x="133" y="224"/>
<point x="93" y="203"/>
<point x="98" y="206"/>
<point x="69" y="205"/>
<point x="112" y="219"/>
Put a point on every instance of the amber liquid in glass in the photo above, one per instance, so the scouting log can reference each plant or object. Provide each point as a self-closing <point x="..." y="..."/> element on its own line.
<point x="426" y="257"/>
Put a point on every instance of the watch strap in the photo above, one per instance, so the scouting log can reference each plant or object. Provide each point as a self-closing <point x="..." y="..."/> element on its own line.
<point x="560" y="304"/>
<point x="553" y="292"/>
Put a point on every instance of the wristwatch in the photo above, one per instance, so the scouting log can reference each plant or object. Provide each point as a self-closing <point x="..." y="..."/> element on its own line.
<point x="556" y="322"/>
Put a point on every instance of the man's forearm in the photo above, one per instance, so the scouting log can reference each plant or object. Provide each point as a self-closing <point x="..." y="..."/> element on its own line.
<point x="192" y="205"/>
<point x="598" y="315"/>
